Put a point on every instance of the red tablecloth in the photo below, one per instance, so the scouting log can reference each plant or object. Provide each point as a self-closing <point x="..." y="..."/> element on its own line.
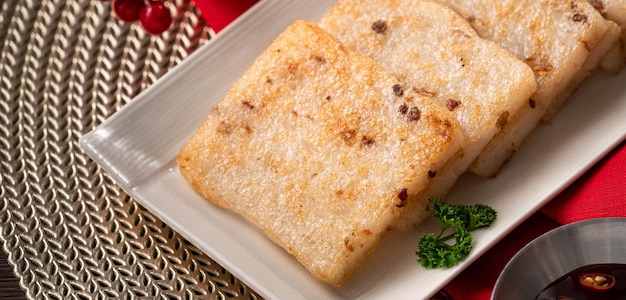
<point x="600" y="192"/>
<point x="219" y="13"/>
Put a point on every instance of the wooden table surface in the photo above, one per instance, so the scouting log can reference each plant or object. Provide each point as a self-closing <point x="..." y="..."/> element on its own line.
<point x="9" y="285"/>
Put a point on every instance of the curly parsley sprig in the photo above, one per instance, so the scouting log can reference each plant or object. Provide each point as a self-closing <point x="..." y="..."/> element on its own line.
<point x="434" y="251"/>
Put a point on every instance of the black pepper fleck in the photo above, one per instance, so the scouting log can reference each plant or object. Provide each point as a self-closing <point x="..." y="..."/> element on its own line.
<point x="414" y="114"/>
<point x="452" y="104"/>
<point x="403" y="195"/>
<point x="379" y="26"/>
<point x="365" y="141"/>
<point x="247" y="104"/>
<point x="397" y="89"/>
<point x="532" y="103"/>
<point x="403" y="109"/>
<point x="432" y="174"/>
<point x="579" y="18"/>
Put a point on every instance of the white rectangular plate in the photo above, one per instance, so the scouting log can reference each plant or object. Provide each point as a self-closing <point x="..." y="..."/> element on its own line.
<point x="137" y="146"/>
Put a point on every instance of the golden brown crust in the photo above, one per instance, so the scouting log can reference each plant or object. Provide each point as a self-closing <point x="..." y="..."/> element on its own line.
<point x="436" y="51"/>
<point x="555" y="38"/>
<point x="312" y="146"/>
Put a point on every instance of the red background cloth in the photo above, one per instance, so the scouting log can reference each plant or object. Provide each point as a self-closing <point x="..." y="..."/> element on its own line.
<point x="219" y="13"/>
<point x="600" y="192"/>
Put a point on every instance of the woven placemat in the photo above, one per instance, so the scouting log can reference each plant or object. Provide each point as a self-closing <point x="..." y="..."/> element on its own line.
<point x="69" y="231"/>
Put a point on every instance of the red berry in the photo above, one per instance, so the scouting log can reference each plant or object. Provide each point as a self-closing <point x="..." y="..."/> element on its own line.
<point x="128" y="10"/>
<point x="155" y="18"/>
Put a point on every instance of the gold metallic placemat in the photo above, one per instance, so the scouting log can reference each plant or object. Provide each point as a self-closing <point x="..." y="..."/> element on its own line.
<point x="69" y="231"/>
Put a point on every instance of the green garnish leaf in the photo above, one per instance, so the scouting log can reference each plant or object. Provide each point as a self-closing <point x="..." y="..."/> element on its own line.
<point x="435" y="251"/>
<point x="479" y="215"/>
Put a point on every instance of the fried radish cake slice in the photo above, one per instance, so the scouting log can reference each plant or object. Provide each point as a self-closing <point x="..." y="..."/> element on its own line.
<point x="555" y="38"/>
<point x="435" y="51"/>
<point x="614" y="10"/>
<point x="604" y="55"/>
<point x="320" y="147"/>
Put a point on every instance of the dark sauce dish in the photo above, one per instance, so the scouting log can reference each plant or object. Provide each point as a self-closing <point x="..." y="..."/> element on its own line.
<point x="596" y="281"/>
<point x="561" y="255"/>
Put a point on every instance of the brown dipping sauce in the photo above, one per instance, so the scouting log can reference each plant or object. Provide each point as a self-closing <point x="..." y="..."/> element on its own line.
<point x="599" y="281"/>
